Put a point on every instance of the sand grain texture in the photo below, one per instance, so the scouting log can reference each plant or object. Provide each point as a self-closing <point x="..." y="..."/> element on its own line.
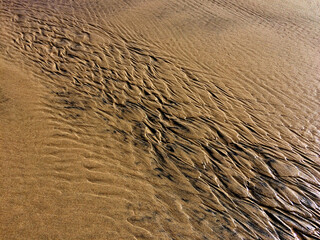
<point x="159" y="119"/>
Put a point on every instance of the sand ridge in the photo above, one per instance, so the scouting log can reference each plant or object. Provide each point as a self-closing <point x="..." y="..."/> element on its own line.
<point x="161" y="120"/>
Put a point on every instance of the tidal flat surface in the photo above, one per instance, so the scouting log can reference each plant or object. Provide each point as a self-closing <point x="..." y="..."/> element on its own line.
<point x="154" y="119"/>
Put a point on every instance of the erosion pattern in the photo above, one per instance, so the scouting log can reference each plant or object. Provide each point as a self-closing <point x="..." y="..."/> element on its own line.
<point x="165" y="120"/>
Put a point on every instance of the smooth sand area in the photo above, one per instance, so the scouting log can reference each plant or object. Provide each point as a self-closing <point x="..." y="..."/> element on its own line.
<point x="187" y="119"/>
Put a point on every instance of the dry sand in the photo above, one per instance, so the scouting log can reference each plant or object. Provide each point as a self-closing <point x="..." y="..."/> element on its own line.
<point x="186" y="119"/>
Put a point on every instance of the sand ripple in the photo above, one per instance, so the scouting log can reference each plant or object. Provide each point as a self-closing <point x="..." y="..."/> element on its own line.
<point x="159" y="120"/>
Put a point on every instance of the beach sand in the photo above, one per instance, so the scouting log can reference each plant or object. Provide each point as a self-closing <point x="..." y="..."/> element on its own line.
<point x="159" y="119"/>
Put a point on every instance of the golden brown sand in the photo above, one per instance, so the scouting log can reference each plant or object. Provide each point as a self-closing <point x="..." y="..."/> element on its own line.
<point x="186" y="119"/>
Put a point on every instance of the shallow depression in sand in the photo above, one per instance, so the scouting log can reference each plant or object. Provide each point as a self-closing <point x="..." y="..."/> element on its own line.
<point x="159" y="119"/>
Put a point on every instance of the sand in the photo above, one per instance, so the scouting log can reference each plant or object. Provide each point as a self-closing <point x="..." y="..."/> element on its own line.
<point x="159" y="119"/>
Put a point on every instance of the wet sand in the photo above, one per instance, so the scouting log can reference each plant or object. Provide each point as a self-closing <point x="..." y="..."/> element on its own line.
<point x="159" y="119"/>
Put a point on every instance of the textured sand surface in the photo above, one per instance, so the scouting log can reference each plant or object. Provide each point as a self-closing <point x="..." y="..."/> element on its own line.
<point x="136" y="119"/>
